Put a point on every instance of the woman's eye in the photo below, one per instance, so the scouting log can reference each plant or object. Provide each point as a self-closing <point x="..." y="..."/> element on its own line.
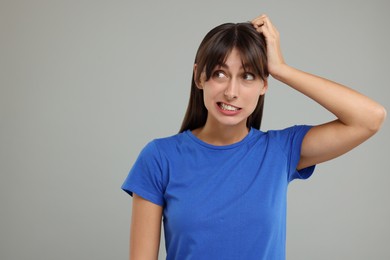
<point x="219" y="74"/>
<point x="249" y="76"/>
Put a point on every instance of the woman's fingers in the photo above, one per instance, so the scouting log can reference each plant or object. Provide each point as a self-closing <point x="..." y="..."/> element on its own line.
<point x="258" y="21"/>
<point x="263" y="25"/>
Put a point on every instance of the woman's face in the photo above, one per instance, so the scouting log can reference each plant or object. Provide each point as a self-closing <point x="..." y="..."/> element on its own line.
<point x="231" y="94"/>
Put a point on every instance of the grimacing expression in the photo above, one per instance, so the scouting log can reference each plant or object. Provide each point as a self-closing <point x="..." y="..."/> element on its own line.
<point x="213" y="52"/>
<point x="232" y="92"/>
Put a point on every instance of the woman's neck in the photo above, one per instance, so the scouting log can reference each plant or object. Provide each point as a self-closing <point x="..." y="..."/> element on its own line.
<point x="221" y="135"/>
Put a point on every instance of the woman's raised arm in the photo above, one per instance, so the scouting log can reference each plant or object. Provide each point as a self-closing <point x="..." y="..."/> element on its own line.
<point x="358" y="117"/>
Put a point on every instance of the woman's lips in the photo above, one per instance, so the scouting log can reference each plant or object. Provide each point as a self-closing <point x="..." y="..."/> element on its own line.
<point x="228" y="109"/>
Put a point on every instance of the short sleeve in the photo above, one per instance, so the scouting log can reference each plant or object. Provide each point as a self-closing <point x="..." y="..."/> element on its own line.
<point x="290" y="140"/>
<point x="145" y="177"/>
<point x="295" y="156"/>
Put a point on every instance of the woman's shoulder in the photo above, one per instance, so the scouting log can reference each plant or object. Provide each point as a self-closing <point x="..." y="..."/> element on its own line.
<point x="287" y="130"/>
<point x="284" y="135"/>
<point x="167" y="143"/>
<point x="171" y="139"/>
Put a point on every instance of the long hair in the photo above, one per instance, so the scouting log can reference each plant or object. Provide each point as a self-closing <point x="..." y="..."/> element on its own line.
<point x="214" y="50"/>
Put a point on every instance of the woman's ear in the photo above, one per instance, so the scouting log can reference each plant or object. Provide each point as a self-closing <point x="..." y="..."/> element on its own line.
<point x="264" y="88"/>
<point x="198" y="83"/>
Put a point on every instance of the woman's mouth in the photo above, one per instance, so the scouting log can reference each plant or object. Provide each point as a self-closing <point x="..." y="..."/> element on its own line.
<point x="227" y="107"/>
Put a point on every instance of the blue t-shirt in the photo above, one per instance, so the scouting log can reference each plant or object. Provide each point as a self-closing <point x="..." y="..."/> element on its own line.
<point x="221" y="202"/>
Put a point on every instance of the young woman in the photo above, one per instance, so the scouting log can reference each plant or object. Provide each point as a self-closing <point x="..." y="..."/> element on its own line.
<point x="220" y="184"/>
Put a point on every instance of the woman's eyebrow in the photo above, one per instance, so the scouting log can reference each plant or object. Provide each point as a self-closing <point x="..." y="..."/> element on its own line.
<point x="225" y="66"/>
<point x="222" y="65"/>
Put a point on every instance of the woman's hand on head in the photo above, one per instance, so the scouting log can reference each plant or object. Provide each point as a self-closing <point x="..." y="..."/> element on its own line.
<point x="274" y="54"/>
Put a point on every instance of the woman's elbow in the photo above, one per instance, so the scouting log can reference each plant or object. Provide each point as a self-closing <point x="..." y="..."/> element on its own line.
<point x="378" y="117"/>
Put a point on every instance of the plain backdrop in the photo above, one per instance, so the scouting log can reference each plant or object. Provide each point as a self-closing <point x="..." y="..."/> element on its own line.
<point x="86" y="84"/>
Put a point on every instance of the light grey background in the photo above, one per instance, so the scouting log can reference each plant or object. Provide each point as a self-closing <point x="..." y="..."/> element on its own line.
<point x="86" y="84"/>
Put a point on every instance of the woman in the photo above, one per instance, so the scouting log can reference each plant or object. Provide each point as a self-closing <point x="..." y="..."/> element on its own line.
<point x="220" y="184"/>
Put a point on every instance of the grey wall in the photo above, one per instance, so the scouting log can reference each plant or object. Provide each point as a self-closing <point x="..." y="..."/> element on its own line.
<point x="85" y="84"/>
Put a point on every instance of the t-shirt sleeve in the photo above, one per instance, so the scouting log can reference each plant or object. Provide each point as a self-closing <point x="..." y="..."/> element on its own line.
<point x="291" y="141"/>
<point x="295" y="156"/>
<point x="146" y="176"/>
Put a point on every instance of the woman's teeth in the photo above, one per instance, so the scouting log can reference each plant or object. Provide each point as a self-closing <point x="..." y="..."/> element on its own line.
<point x="227" y="107"/>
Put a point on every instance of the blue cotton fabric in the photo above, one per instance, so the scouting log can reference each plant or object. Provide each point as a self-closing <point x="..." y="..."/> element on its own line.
<point x="221" y="202"/>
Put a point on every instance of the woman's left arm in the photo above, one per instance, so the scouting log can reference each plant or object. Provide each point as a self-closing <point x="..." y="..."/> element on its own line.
<point x="358" y="117"/>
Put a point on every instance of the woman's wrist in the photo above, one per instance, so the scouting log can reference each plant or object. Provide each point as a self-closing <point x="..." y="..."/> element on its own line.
<point x="281" y="73"/>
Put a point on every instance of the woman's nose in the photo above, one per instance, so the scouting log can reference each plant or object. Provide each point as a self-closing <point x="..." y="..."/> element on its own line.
<point x="231" y="91"/>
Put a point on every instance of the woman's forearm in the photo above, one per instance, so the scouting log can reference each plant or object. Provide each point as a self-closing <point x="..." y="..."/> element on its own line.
<point x="349" y="106"/>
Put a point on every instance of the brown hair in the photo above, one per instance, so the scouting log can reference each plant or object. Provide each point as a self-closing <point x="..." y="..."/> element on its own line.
<point x="213" y="51"/>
